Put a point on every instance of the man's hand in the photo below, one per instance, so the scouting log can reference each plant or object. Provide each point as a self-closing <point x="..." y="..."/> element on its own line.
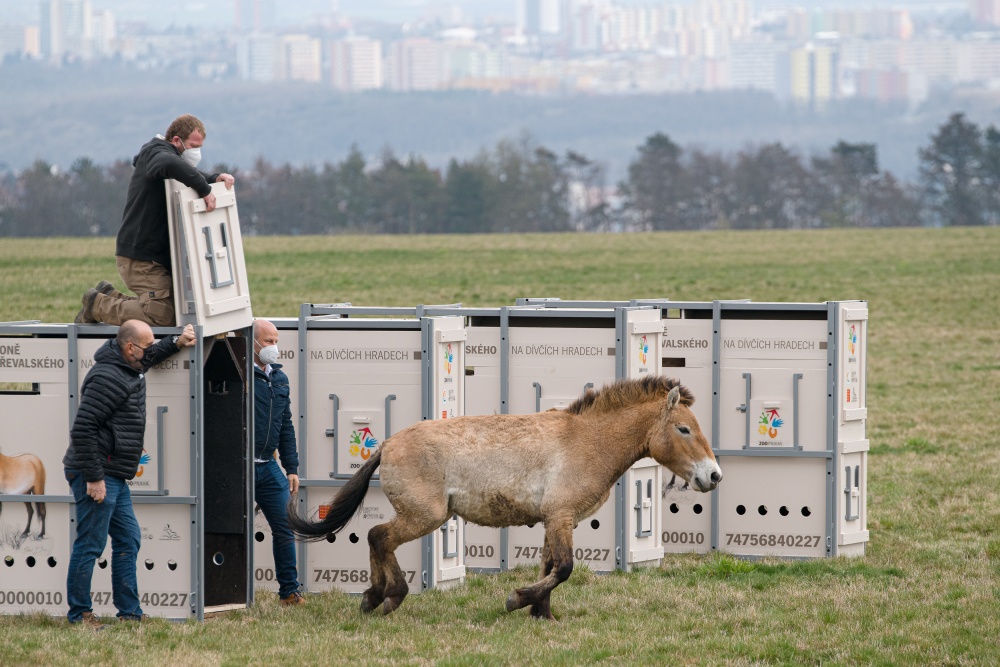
<point x="96" y="491"/>
<point x="293" y="484"/>
<point x="209" y="202"/>
<point x="186" y="339"/>
<point x="227" y="179"/>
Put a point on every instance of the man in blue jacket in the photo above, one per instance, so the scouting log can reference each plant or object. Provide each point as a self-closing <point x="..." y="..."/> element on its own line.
<point x="273" y="432"/>
<point x="105" y="446"/>
<point x="143" y="246"/>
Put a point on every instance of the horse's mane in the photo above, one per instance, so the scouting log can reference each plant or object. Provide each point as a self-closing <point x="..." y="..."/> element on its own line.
<point x="628" y="392"/>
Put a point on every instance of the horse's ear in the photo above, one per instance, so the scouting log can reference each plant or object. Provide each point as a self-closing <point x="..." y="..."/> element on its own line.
<point x="673" y="397"/>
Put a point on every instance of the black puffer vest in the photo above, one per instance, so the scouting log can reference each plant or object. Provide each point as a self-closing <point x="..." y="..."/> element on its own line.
<point x="110" y="425"/>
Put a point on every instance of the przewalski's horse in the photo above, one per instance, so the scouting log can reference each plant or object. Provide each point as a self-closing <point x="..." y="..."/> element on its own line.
<point x="555" y="467"/>
<point x="24" y="474"/>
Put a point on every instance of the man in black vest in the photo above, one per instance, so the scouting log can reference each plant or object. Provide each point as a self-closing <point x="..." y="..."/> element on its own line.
<point x="105" y="446"/>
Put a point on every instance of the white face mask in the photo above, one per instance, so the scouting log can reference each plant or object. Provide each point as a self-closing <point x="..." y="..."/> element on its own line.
<point x="192" y="156"/>
<point x="268" y="355"/>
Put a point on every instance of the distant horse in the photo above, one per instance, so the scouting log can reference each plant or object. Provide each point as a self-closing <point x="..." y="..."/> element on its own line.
<point x="554" y="467"/>
<point x="24" y="474"/>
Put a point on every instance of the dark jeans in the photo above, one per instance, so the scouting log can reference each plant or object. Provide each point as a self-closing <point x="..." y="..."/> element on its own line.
<point x="95" y="522"/>
<point x="271" y="494"/>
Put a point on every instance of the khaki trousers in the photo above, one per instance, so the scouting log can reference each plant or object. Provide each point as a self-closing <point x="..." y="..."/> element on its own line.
<point x="153" y="302"/>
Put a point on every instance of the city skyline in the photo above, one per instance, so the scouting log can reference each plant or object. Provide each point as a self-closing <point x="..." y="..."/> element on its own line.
<point x="378" y="79"/>
<point x="222" y="14"/>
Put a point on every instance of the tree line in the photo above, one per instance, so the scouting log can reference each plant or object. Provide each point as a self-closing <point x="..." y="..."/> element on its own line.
<point x="521" y="186"/>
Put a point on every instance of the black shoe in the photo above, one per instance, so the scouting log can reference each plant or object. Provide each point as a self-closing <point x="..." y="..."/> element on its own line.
<point x="86" y="314"/>
<point x="104" y="287"/>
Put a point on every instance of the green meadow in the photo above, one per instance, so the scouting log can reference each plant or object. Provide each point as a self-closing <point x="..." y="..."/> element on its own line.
<point x="927" y="592"/>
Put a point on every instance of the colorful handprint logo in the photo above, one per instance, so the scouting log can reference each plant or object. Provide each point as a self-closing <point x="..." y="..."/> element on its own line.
<point x="769" y="423"/>
<point x="143" y="460"/>
<point x="363" y="443"/>
<point x="449" y="359"/>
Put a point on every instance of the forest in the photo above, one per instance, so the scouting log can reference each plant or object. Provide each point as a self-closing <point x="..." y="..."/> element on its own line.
<point x="519" y="185"/>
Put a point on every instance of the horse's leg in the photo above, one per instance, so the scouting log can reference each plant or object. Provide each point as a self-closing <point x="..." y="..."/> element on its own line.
<point x="401" y="529"/>
<point x="375" y="594"/>
<point x="31" y="512"/>
<point x="559" y="537"/>
<point x="389" y="586"/>
<point x="41" y="518"/>
<point x="540" y="609"/>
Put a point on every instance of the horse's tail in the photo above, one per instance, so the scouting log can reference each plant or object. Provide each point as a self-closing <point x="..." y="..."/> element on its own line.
<point x="341" y="508"/>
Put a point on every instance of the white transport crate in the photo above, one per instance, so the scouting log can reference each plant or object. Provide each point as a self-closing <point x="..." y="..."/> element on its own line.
<point x="361" y="379"/>
<point x="189" y="560"/>
<point x="784" y="390"/>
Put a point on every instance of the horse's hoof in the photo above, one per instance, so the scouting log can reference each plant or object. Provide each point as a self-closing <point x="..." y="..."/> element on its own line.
<point x="514" y="602"/>
<point x="365" y="607"/>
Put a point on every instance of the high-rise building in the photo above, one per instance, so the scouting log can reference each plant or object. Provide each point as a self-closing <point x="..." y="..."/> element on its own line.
<point x="416" y="64"/>
<point x="298" y="58"/>
<point x="11" y="40"/>
<point x="540" y="17"/>
<point x="105" y="32"/>
<point x="254" y="15"/>
<point x="356" y="63"/>
<point x="72" y="29"/>
<point x="52" y="32"/>
<point x="814" y="74"/>
<point x="985" y="11"/>
<point x="255" y="57"/>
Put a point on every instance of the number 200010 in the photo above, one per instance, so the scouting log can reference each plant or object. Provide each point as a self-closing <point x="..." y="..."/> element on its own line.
<point x="31" y="597"/>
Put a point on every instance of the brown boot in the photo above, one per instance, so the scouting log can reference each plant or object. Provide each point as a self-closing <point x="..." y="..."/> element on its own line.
<point x="86" y="314"/>
<point x="90" y="620"/>
<point x="104" y="287"/>
<point x="293" y="599"/>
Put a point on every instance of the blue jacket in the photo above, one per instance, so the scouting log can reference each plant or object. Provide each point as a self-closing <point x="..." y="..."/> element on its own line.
<point x="272" y="427"/>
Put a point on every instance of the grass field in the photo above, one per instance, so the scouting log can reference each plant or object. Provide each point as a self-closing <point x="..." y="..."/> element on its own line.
<point x="926" y="593"/>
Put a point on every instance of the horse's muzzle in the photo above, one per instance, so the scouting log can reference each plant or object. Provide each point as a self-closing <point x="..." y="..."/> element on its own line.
<point x="706" y="476"/>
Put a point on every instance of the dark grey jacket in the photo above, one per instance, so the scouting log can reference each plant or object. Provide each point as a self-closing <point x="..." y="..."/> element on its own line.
<point x="110" y="425"/>
<point x="144" y="234"/>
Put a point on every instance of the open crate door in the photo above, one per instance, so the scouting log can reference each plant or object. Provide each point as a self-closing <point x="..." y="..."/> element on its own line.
<point x="210" y="275"/>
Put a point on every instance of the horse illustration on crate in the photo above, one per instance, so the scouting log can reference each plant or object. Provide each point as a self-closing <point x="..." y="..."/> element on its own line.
<point x="24" y="474"/>
<point x="555" y="468"/>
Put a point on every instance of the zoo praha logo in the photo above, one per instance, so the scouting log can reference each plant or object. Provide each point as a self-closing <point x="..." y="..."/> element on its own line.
<point x="449" y="359"/>
<point x="363" y="443"/>
<point x="143" y="460"/>
<point x="769" y="424"/>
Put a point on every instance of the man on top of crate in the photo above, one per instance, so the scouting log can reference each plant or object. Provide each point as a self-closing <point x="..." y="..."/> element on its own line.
<point x="142" y="250"/>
